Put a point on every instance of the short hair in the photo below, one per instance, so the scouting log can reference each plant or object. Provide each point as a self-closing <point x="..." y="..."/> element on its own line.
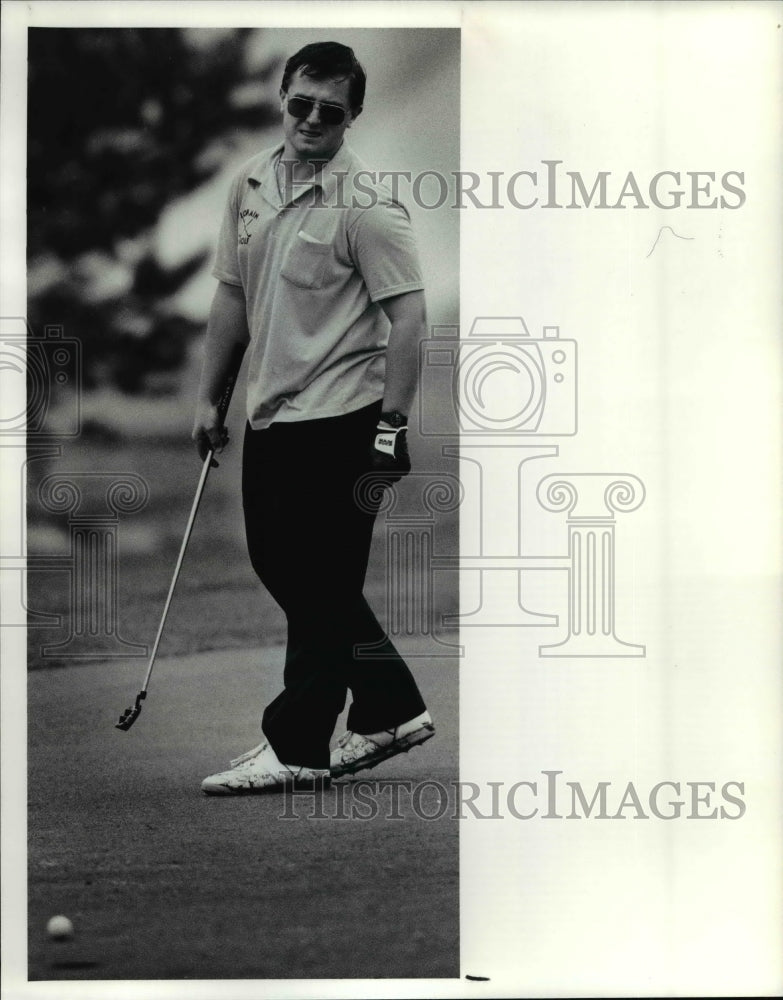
<point x="322" y="60"/>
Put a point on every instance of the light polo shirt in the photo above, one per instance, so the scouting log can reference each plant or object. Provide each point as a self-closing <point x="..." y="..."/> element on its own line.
<point x="314" y="271"/>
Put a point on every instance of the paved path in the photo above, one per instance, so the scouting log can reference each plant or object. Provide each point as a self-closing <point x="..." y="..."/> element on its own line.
<point x="162" y="882"/>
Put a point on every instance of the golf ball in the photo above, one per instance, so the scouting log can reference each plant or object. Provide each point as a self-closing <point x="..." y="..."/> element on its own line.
<point x="59" y="928"/>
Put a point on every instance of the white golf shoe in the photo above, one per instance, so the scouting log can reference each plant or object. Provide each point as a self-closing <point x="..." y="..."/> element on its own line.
<point x="355" y="751"/>
<point x="260" y="770"/>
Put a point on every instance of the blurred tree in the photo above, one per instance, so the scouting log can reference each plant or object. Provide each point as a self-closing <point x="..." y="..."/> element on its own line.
<point x="121" y="122"/>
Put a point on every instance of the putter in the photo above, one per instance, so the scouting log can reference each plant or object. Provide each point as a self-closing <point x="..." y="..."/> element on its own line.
<point x="130" y="715"/>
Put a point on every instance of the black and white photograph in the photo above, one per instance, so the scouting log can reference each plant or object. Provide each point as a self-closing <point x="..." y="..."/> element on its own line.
<point x="198" y="216"/>
<point x="390" y="538"/>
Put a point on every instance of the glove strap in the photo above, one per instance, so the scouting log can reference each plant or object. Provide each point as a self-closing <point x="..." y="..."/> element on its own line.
<point x="393" y="418"/>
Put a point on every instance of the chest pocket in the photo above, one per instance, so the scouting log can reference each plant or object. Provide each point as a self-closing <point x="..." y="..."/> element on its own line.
<point x="306" y="263"/>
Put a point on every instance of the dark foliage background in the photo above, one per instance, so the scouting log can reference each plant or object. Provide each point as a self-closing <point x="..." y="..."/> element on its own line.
<point x="120" y="123"/>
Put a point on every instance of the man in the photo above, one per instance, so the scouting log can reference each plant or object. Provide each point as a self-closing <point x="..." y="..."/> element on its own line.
<point x="325" y="288"/>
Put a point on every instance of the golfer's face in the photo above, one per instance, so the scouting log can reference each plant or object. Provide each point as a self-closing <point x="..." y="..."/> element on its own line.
<point x="312" y="138"/>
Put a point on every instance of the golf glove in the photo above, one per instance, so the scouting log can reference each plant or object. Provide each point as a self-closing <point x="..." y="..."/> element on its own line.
<point x="390" y="456"/>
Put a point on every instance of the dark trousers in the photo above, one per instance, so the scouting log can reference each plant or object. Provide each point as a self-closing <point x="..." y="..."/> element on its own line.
<point x="309" y="542"/>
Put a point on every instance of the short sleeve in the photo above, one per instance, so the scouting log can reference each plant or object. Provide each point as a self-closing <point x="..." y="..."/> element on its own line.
<point x="383" y="247"/>
<point x="226" y="266"/>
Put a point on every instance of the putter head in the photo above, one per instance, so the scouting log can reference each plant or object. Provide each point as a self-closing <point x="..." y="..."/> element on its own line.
<point x="130" y="715"/>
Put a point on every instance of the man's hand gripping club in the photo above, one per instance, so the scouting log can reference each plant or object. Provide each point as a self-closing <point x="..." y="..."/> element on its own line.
<point x="209" y="432"/>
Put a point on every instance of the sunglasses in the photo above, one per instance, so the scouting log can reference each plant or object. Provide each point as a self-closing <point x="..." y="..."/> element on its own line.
<point x="302" y="107"/>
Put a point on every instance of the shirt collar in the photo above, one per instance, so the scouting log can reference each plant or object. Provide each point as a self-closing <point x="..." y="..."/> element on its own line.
<point x="264" y="174"/>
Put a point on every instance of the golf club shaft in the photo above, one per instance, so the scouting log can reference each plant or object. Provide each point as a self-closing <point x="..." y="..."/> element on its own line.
<point x="188" y="531"/>
<point x="131" y="714"/>
<point x="223" y="405"/>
